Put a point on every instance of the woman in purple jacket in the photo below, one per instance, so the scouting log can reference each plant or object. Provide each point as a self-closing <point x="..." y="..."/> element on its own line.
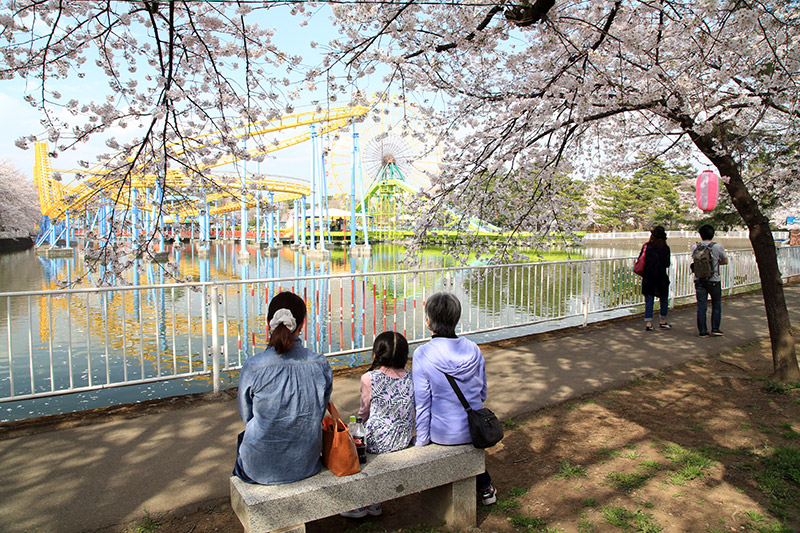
<point x="441" y="418"/>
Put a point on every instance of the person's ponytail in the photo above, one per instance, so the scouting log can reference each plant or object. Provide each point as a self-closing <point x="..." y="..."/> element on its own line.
<point x="285" y="316"/>
<point x="281" y="339"/>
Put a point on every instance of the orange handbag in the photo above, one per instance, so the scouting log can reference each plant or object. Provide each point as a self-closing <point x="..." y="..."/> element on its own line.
<point x="338" y="449"/>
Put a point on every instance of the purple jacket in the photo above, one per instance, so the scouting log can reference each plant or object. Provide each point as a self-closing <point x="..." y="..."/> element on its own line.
<point x="440" y="416"/>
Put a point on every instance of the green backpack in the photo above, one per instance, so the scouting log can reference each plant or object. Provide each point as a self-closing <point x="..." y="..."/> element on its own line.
<point x="703" y="261"/>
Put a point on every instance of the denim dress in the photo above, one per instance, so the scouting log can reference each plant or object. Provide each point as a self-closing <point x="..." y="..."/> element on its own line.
<point x="282" y="399"/>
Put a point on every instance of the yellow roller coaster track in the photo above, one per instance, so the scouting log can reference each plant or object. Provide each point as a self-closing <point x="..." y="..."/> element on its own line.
<point x="56" y="199"/>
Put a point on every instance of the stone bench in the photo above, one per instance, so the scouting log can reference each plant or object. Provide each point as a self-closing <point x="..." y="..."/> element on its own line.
<point x="446" y="475"/>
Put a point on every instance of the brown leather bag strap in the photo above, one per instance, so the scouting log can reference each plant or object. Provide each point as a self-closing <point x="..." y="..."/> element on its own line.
<point x="333" y="411"/>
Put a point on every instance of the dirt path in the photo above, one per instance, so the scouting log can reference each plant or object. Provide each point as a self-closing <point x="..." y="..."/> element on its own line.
<point x="709" y="446"/>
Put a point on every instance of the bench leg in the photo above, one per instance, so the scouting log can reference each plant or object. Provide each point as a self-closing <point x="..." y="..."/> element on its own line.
<point x="453" y="503"/>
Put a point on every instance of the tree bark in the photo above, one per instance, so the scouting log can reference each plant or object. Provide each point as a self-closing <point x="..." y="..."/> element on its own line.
<point x="784" y="355"/>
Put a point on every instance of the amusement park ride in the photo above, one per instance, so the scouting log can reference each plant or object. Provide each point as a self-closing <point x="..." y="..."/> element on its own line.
<point x="386" y="150"/>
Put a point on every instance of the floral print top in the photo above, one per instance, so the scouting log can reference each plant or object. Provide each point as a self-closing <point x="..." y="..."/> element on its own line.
<point x="390" y="425"/>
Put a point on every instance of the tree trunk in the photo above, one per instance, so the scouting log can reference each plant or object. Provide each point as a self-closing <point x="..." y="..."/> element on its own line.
<point x="784" y="356"/>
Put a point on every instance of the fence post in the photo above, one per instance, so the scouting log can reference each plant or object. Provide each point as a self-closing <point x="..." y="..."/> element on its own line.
<point x="673" y="275"/>
<point x="729" y="276"/>
<point x="587" y="290"/>
<point x="215" y="338"/>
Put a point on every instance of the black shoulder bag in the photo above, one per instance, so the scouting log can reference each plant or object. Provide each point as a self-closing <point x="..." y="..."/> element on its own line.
<point x="484" y="427"/>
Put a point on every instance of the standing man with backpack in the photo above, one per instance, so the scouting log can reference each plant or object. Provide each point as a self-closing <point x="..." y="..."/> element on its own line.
<point x="707" y="256"/>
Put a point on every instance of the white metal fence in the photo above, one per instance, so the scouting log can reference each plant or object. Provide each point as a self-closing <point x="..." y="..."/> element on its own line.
<point x="58" y="342"/>
<point x="678" y="234"/>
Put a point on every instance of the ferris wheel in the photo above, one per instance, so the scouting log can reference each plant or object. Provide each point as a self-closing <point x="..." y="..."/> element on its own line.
<point x="395" y="133"/>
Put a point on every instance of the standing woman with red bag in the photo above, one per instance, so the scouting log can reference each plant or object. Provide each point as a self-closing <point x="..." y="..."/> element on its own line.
<point x="655" y="280"/>
<point x="283" y="393"/>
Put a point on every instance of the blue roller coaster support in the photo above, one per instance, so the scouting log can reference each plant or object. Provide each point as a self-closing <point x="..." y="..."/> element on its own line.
<point x="324" y="214"/>
<point x="303" y="221"/>
<point x="134" y="220"/>
<point x="271" y="228"/>
<point x="243" y="226"/>
<point x="353" y="190"/>
<point x="313" y="186"/>
<point x="296" y="223"/>
<point x="205" y="230"/>
<point x="360" y="172"/>
<point x="259" y="216"/>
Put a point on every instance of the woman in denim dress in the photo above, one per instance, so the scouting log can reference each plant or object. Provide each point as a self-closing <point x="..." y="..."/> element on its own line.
<point x="283" y="394"/>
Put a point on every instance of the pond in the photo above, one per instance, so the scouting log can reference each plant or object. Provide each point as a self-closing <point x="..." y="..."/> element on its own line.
<point x="111" y="325"/>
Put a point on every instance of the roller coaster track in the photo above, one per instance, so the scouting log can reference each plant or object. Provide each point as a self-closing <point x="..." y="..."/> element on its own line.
<point x="57" y="199"/>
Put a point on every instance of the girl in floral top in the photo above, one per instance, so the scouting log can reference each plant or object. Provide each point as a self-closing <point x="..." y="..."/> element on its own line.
<point x="387" y="403"/>
<point x="387" y="396"/>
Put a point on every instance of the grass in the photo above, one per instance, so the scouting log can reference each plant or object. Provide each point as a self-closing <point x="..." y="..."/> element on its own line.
<point x="775" y="387"/>
<point x="649" y="465"/>
<point x="627" y="482"/>
<point x="506" y="505"/>
<point x="788" y="431"/>
<point x="529" y="523"/>
<point x="568" y="471"/>
<point x="757" y="522"/>
<point x="630" y="520"/>
<point x="148" y="524"/>
<point x="523" y="522"/>
<point x="692" y="464"/>
<point x="716" y="453"/>
<point x="509" y="423"/>
<point x="779" y="479"/>
<point x="510" y="503"/>
<point x="608" y="453"/>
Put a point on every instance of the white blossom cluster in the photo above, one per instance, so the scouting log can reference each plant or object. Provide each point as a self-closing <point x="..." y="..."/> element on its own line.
<point x="175" y="72"/>
<point x="591" y="81"/>
<point x="19" y="210"/>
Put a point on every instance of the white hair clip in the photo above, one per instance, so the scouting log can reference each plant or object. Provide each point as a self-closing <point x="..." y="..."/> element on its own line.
<point x="285" y="317"/>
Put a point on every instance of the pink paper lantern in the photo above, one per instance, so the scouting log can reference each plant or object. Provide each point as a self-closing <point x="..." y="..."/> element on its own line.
<point x="707" y="191"/>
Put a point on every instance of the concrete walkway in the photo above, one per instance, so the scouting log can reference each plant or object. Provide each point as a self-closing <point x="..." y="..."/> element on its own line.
<point x="110" y="472"/>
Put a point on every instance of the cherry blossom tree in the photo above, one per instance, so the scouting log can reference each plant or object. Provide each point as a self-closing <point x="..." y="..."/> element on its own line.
<point x="19" y="202"/>
<point x="523" y="92"/>
<point x="171" y="87"/>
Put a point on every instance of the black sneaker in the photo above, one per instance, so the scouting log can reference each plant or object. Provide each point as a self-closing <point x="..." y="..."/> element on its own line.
<point x="648" y="328"/>
<point x="489" y="495"/>
<point x="704" y="334"/>
<point x="716" y="333"/>
<point x="665" y="326"/>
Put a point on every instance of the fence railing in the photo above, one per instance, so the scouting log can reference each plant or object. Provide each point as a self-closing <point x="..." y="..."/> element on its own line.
<point x="59" y="342"/>
<point x="676" y="234"/>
